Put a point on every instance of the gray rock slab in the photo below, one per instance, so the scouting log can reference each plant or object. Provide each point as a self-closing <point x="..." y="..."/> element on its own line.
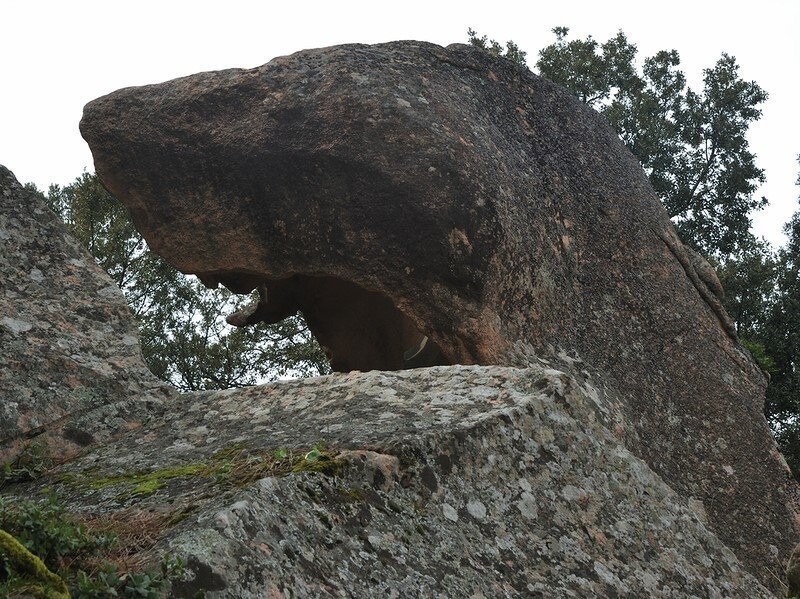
<point x="461" y="481"/>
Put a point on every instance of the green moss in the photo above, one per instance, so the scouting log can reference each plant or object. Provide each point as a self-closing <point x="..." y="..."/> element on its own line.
<point x="233" y="466"/>
<point x="237" y="466"/>
<point x="148" y="486"/>
<point x="322" y="464"/>
<point x="27" y="573"/>
<point x="146" y="483"/>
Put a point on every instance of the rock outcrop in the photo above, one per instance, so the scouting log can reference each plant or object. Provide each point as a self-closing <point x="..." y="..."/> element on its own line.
<point x="458" y="481"/>
<point x="453" y="480"/>
<point x="71" y="371"/>
<point x="426" y="206"/>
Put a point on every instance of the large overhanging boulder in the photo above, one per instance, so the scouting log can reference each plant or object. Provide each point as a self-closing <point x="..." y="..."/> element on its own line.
<point x="457" y="480"/>
<point x="421" y="206"/>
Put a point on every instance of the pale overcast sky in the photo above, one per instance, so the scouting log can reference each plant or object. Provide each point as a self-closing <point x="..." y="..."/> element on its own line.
<point x="57" y="55"/>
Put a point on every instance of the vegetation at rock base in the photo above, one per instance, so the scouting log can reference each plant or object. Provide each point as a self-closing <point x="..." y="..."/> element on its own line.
<point x="46" y="553"/>
<point x="27" y="573"/>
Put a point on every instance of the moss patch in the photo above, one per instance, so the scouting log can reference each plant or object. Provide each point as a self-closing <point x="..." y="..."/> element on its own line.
<point x="237" y="466"/>
<point x="26" y="573"/>
<point x="231" y="467"/>
<point x="145" y="483"/>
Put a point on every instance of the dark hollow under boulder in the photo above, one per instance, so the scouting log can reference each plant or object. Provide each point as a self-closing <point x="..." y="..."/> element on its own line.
<point x="425" y="205"/>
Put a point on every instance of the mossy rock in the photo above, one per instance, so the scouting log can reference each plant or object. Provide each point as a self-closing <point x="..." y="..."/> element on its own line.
<point x="28" y="574"/>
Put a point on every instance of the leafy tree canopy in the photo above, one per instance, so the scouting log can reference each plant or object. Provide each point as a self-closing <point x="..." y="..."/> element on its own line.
<point x="693" y="144"/>
<point x="511" y="51"/>
<point x="780" y="334"/>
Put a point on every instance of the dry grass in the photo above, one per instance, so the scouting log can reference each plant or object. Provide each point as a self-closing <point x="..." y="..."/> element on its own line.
<point x="137" y="532"/>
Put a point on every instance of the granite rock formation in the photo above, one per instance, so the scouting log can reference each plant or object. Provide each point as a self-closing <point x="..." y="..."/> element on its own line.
<point x="71" y="371"/>
<point x="460" y="481"/>
<point x="425" y="205"/>
<point x="481" y="481"/>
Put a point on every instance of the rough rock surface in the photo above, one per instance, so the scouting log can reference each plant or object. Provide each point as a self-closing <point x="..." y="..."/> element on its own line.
<point x="70" y="363"/>
<point x="404" y="193"/>
<point x="453" y="481"/>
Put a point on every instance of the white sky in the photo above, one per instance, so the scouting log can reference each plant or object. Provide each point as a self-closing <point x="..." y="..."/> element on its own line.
<point x="55" y="56"/>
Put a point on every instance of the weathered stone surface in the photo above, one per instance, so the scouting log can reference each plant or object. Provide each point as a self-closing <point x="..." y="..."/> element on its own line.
<point x="793" y="573"/>
<point x="70" y="363"/>
<point x="455" y="481"/>
<point x="403" y="192"/>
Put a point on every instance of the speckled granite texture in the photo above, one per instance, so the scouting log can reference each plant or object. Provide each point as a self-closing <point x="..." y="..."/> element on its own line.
<point x="462" y="481"/>
<point x="71" y="371"/>
<point x="485" y="203"/>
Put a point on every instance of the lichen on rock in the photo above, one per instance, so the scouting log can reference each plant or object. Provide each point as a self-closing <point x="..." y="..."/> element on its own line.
<point x="450" y="206"/>
<point x="554" y="405"/>
<point x="71" y="371"/>
<point x="448" y="480"/>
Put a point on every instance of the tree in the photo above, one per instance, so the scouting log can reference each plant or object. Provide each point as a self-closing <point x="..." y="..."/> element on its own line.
<point x="185" y="339"/>
<point x="782" y="334"/>
<point x="512" y="51"/>
<point x="590" y="70"/>
<point x="749" y="279"/>
<point x="692" y="145"/>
